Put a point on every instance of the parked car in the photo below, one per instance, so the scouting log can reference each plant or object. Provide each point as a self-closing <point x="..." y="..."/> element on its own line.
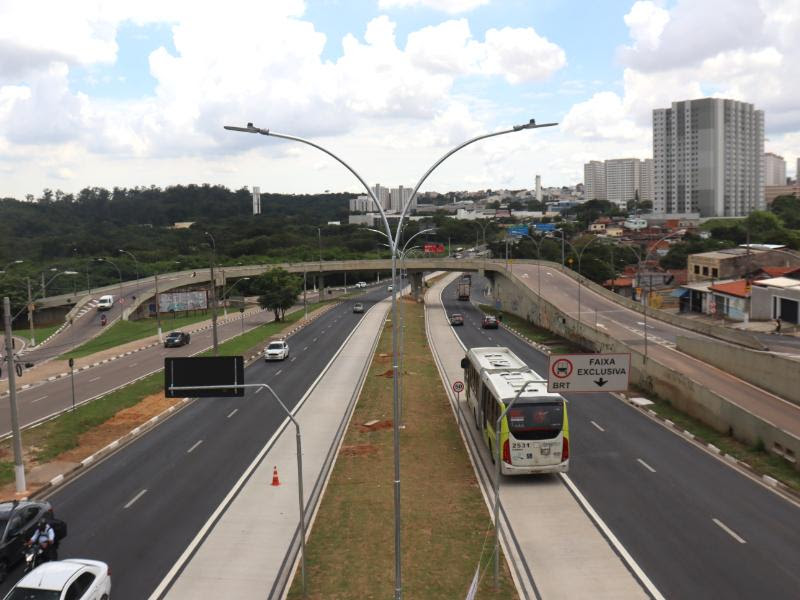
<point x="105" y="302"/>
<point x="277" y="350"/>
<point x="175" y="339"/>
<point x="361" y="284"/>
<point x="18" y="521"/>
<point x="358" y="307"/>
<point x="71" y="579"/>
<point x="489" y="322"/>
<point x="389" y="289"/>
<point x="456" y="319"/>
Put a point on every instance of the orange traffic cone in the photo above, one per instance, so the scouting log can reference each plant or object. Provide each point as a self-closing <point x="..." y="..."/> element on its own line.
<point x="275" y="480"/>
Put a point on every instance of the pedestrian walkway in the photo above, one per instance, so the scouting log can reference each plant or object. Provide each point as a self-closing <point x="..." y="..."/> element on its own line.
<point x="557" y="543"/>
<point x="244" y="551"/>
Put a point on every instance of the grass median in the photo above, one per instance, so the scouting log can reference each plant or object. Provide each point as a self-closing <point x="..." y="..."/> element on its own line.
<point x="555" y="343"/>
<point x="40" y="333"/>
<point x="50" y="440"/>
<point x="447" y="532"/>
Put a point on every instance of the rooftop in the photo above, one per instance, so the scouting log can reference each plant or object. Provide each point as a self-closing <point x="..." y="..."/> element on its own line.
<point x="739" y="288"/>
<point x="778" y="282"/>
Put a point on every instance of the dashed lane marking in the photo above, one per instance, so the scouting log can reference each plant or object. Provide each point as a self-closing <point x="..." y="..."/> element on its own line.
<point x="195" y="445"/>
<point x="134" y="499"/>
<point x="596" y="425"/>
<point x="729" y="531"/>
<point x="233" y="412"/>
<point x="645" y="465"/>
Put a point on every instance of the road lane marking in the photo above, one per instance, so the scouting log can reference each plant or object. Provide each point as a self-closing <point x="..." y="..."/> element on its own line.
<point x="729" y="531"/>
<point x="278" y="372"/>
<point x="132" y="365"/>
<point x="195" y="445"/>
<point x="134" y="499"/>
<point x="306" y="348"/>
<point x="95" y="379"/>
<point x="314" y="340"/>
<point x="233" y="412"/>
<point x="646" y="466"/>
<point x="42" y="398"/>
<point x="258" y="391"/>
<point x="293" y="359"/>
<point x="596" y="425"/>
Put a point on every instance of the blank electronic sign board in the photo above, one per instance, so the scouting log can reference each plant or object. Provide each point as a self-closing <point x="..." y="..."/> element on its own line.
<point x="200" y="371"/>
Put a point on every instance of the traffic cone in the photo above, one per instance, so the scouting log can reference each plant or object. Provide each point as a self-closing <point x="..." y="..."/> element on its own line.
<point x="275" y="480"/>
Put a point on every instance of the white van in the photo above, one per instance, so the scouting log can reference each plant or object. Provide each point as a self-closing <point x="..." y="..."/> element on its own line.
<point x="106" y="302"/>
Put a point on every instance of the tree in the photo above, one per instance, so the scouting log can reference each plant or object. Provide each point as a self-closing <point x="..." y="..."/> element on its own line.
<point x="788" y="209"/>
<point x="278" y="290"/>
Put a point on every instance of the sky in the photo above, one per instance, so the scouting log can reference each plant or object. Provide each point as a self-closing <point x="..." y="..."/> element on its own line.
<point x="115" y="93"/>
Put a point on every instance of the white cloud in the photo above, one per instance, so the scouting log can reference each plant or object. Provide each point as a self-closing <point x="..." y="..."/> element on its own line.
<point x="448" y="6"/>
<point x="646" y="21"/>
<point x="521" y="55"/>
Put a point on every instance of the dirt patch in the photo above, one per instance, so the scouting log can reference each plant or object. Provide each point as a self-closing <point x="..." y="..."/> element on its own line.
<point x="379" y="426"/>
<point x="359" y="450"/>
<point x="388" y="373"/>
<point x="118" y="425"/>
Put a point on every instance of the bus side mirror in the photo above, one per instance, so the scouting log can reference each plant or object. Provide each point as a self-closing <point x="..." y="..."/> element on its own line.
<point x="464" y="362"/>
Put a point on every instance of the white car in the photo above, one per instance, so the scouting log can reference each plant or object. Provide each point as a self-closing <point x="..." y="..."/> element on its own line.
<point x="105" y="302"/>
<point x="277" y="350"/>
<point x="361" y="284"/>
<point x="74" y="578"/>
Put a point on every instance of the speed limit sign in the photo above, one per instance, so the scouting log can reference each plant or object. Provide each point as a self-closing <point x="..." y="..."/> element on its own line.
<point x="458" y="387"/>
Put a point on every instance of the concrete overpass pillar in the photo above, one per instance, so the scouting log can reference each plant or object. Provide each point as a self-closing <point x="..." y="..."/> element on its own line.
<point x="417" y="285"/>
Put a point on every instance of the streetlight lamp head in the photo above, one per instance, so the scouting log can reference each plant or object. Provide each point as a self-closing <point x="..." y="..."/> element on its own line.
<point x="70" y="273"/>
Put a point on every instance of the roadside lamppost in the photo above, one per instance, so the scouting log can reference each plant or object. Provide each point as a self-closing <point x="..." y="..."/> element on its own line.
<point x="135" y="262"/>
<point x="393" y="241"/>
<point x="319" y="283"/>
<point x="230" y="289"/>
<point x="121" y="294"/>
<point x="213" y="293"/>
<point x="580" y="256"/>
<point x="31" y="307"/>
<point x="13" y="262"/>
<point x="538" y="262"/>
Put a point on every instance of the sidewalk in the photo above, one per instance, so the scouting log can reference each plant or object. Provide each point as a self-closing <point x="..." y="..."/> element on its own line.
<point x="255" y="512"/>
<point x="567" y="555"/>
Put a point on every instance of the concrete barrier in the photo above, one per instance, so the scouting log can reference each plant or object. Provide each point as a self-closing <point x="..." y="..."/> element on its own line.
<point x="683" y="392"/>
<point x="778" y="374"/>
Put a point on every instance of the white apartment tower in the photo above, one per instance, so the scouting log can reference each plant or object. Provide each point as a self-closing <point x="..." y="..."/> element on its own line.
<point x="538" y="188"/>
<point x="398" y="199"/>
<point x="774" y="169"/>
<point x="708" y="158"/>
<point x="382" y="194"/>
<point x="256" y="200"/>
<point x="594" y="180"/>
<point x="623" y="179"/>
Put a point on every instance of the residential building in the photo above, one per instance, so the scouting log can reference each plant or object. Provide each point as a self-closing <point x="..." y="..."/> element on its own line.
<point x="623" y="179"/>
<point x="773" y="191"/>
<point x="594" y="180"/>
<point x="635" y="223"/>
<point x="731" y="299"/>
<point x="398" y="198"/>
<point x="775" y="298"/>
<point x="256" y="200"/>
<point x="708" y="158"/>
<point x="736" y="262"/>
<point x="774" y="169"/>
<point x="646" y="180"/>
<point x="383" y="196"/>
<point x="362" y="204"/>
<point x="538" y="188"/>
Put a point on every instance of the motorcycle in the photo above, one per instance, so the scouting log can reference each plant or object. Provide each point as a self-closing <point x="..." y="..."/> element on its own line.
<point x="103" y="321"/>
<point x="35" y="555"/>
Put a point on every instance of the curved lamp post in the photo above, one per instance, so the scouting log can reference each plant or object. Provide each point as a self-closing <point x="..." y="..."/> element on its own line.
<point x="213" y="292"/>
<point x="135" y="262"/>
<point x="393" y="242"/>
<point x="580" y="256"/>
<point x="8" y="264"/>
<point x="230" y="289"/>
<point x="113" y="264"/>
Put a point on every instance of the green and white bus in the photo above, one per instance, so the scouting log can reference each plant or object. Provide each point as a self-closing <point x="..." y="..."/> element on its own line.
<point x="534" y="434"/>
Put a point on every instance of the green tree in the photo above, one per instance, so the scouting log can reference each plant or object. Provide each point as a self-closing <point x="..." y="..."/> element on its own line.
<point x="788" y="209"/>
<point x="278" y="290"/>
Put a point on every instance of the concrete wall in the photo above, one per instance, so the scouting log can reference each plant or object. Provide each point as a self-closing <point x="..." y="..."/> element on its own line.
<point x="686" y="394"/>
<point x="774" y="373"/>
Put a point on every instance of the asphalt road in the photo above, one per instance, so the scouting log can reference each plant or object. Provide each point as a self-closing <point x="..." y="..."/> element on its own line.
<point x="139" y="509"/>
<point x="666" y="500"/>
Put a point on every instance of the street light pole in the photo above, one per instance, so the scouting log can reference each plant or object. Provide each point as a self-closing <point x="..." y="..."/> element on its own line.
<point x="393" y="241"/>
<point x="580" y="256"/>
<point x="213" y="293"/>
<point x="135" y="262"/>
<point x="121" y="293"/>
<point x="19" y="467"/>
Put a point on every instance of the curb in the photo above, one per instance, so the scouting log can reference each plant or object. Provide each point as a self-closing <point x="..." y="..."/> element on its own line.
<point x="140" y="430"/>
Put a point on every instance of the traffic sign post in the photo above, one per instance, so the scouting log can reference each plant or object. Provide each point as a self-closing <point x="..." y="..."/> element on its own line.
<point x="458" y="387"/>
<point x="588" y="372"/>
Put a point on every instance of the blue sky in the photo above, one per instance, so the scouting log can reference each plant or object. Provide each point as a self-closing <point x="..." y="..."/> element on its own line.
<point x="137" y="93"/>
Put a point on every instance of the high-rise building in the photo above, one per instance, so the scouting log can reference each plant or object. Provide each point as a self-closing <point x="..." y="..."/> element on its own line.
<point x="538" y="188"/>
<point x="623" y="180"/>
<point x="708" y="158"/>
<point x="646" y="180"/>
<point x="594" y="180"/>
<point x="774" y="169"/>
<point x="362" y="204"/>
<point x="382" y="194"/>
<point x="398" y="199"/>
<point x="256" y="200"/>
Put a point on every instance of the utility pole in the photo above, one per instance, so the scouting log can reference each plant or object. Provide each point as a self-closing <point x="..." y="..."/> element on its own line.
<point x="19" y="468"/>
<point x="158" y="312"/>
<point x="30" y="312"/>
<point x="214" y="309"/>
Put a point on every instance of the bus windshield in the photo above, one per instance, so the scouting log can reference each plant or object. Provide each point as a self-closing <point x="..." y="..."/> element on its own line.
<point x="538" y="421"/>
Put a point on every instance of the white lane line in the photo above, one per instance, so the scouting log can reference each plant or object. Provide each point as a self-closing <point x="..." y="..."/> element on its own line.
<point x="646" y="466"/>
<point x="596" y="425"/>
<point x="42" y="398"/>
<point x="278" y="372"/>
<point x="132" y="365"/>
<point x="314" y="340"/>
<point x="306" y="348"/>
<point x="196" y="444"/>
<point x="729" y="531"/>
<point x="294" y="358"/>
<point x="134" y="499"/>
<point x="233" y="412"/>
<point x="95" y="379"/>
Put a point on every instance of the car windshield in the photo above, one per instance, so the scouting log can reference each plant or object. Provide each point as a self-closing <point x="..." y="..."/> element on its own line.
<point x="21" y="593"/>
<point x="174" y="335"/>
<point x="275" y="346"/>
<point x="538" y="421"/>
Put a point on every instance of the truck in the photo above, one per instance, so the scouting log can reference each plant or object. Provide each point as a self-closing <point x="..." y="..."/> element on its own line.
<point x="462" y="288"/>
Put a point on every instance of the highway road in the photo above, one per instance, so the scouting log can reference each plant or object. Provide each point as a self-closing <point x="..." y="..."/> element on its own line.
<point x="139" y="508"/>
<point x="698" y="528"/>
<point x="627" y="325"/>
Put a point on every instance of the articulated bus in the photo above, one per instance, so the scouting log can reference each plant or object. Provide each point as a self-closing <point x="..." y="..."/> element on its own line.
<point x="534" y="434"/>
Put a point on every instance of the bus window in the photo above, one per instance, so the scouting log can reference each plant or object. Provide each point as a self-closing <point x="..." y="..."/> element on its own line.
<point x="539" y="421"/>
